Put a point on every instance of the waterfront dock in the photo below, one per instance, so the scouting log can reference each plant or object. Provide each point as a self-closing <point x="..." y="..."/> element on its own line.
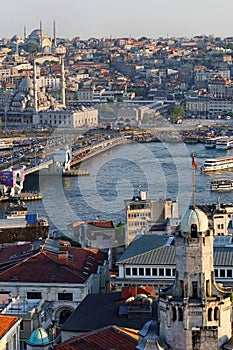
<point x="24" y="196"/>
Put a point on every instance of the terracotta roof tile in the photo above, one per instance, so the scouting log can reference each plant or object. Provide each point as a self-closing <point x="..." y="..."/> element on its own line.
<point x="71" y="265"/>
<point x="6" y="322"/>
<point x="111" y="337"/>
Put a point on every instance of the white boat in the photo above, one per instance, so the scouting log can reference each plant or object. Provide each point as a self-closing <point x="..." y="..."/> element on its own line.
<point x="211" y="142"/>
<point x="217" y="164"/>
<point x="221" y="185"/>
<point x="5" y="145"/>
<point x="224" y="143"/>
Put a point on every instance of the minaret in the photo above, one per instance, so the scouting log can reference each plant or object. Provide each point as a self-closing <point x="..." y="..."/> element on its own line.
<point x="35" y="93"/>
<point x="195" y="313"/>
<point x="41" y="35"/>
<point x="24" y="33"/>
<point x="54" y="35"/>
<point x="63" y="85"/>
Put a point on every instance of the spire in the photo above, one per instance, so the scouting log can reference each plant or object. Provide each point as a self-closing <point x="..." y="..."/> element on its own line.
<point x="34" y="86"/>
<point x="24" y="32"/>
<point x="41" y="34"/>
<point x="54" y="35"/>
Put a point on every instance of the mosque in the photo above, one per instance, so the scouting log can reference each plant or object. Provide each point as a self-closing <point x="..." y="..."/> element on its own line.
<point x="41" y="39"/>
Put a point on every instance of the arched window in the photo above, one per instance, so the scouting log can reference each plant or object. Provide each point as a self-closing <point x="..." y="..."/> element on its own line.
<point x="216" y="313"/>
<point x="180" y="314"/>
<point x="210" y="314"/>
<point x="173" y="313"/>
<point x="194" y="231"/>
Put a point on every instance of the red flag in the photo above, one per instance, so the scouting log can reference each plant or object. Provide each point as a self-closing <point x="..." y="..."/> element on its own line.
<point x="194" y="163"/>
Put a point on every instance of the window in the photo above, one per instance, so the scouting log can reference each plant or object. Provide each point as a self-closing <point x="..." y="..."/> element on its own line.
<point x="216" y="273"/>
<point x="194" y="284"/>
<point x="216" y="313"/>
<point x="229" y="273"/>
<point x="34" y="295"/>
<point x="135" y="271"/>
<point x="141" y="271"/>
<point x="65" y="296"/>
<point x="173" y="272"/>
<point x="168" y="272"/>
<point x="180" y="314"/>
<point x="222" y="273"/>
<point x="161" y="272"/>
<point x="194" y="231"/>
<point x="128" y="271"/>
<point x="148" y="271"/>
<point x="174" y="313"/>
<point x="154" y="271"/>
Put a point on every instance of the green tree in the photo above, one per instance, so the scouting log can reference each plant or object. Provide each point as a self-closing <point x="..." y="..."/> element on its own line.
<point x="176" y="113"/>
<point x="31" y="48"/>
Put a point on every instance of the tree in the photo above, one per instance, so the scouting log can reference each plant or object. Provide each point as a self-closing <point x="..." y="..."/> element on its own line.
<point x="176" y="113"/>
<point x="31" y="48"/>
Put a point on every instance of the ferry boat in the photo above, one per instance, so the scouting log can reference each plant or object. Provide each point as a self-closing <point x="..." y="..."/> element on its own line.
<point x="217" y="164"/>
<point x="221" y="185"/>
<point x="211" y="142"/>
<point x="224" y="143"/>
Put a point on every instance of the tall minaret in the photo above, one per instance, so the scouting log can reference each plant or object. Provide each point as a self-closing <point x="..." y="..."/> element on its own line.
<point x="24" y="32"/>
<point x="63" y="84"/>
<point x="41" y="35"/>
<point x="35" y="88"/>
<point x="54" y="35"/>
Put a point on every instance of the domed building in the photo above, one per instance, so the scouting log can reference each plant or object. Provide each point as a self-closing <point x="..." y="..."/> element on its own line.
<point x="195" y="313"/>
<point x="40" y="39"/>
<point x="39" y="340"/>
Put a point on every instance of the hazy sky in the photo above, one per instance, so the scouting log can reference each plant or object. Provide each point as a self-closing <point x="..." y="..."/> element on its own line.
<point x="99" y="18"/>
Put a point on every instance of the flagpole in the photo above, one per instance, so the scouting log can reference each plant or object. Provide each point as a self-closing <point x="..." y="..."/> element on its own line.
<point x="193" y="185"/>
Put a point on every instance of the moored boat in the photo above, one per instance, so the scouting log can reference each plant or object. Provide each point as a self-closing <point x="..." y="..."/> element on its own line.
<point x="217" y="164"/>
<point x="221" y="185"/>
<point x="211" y="142"/>
<point x="224" y="143"/>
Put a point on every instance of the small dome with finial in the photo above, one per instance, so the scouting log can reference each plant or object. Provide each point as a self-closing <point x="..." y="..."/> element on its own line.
<point x="39" y="337"/>
<point x="194" y="216"/>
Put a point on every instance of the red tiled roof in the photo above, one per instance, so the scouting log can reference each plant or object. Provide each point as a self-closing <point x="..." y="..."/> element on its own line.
<point x="111" y="337"/>
<point x="72" y="265"/>
<point x="6" y="322"/>
<point x="104" y="224"/>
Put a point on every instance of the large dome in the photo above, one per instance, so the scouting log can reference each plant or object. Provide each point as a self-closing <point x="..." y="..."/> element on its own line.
<point x="194" y="216"/>
<point x="39" y="337"/>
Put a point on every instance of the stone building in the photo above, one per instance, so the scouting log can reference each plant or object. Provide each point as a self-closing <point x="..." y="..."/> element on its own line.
<point x="142" y="213"/>
<point x="195" y="313"/>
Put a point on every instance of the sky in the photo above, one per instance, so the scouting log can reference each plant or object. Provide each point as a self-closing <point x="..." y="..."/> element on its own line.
<point x="119" y="18"/>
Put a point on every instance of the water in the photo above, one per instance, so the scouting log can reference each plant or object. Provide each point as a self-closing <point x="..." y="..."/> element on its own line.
<point x="162" y="169"/>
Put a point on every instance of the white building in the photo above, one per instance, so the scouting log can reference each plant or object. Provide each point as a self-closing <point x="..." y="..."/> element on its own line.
<point x="67" y="118"/>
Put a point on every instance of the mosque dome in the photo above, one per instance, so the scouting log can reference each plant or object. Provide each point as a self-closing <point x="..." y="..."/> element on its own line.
<point x="194" y="216"/>
<point x="36" y="33"/>
<point x="39" y="337"/>
<point x="16" y="38"/>
<point x="26" y="84"/>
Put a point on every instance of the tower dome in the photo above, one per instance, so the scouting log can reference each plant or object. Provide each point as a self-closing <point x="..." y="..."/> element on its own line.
<point x="39" y="337"/>
<point x="194" y="216"/>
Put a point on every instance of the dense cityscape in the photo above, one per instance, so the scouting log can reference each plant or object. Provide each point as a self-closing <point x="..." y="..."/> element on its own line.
<point x="156" y="279"/>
